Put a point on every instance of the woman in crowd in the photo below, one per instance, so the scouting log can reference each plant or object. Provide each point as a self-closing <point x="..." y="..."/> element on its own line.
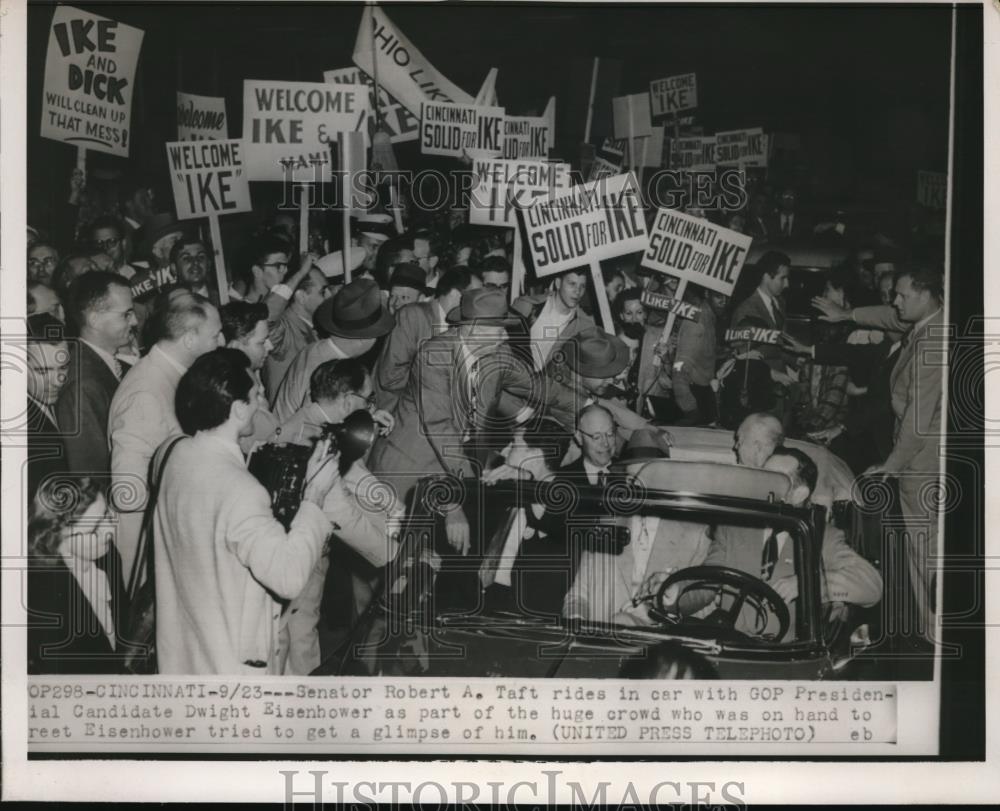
<point x="76" y="593"/>
<point x="647" y="374"/>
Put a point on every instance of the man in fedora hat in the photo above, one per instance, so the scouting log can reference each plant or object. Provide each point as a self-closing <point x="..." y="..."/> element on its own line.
<point x="415" y="324"/>
<point x="352" y="319"/>
<point x="453" y="394"/>
<point x="607" y="584"/>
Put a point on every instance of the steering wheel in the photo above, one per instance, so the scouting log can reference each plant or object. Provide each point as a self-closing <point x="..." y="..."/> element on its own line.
<point x="744" y="587"/>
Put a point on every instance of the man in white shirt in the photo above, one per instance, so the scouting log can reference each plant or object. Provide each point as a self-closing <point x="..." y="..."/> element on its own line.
<point x="268" y="278"/>
<point x="142" y="413"/>
<point x="554" y="317"/>
<point x="101" y="308"/>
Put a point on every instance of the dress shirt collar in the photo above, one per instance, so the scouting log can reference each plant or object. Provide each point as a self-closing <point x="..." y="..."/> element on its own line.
<point x="592" y="471"/>
<point x="923" y="322"/>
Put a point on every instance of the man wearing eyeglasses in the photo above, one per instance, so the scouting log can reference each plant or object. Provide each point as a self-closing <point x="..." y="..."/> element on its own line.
<point x="597" y="438"/>
<point x="108" y="236"/>
<point x="267" y="279"/>
<point x="42" y="261"/>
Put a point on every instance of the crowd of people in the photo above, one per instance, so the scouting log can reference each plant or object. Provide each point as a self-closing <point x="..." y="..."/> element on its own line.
<point x="149" y="388"/>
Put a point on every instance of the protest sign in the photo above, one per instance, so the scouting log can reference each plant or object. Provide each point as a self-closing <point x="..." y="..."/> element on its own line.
<point x="659" y="301"/>
<point x="502" y="186"/>
<point x="201" y="118"/>
<point x="402" y="69"/>
<point x="457" y="129"/>
<point x="401" y="124"/>
<point x="208" y="178"/>
<point x="673" y="94"/>
<point x="288" y="126"/>
<point x="585" y="224"/>
<point x="932" y="189"/>
<point x="756" y="335"/>
<point x="487" y="95"/>
<point x="695" y="250"/>
<point x="647" y="151"/>
<point x="741" y="148"/>
<point x="631" y="114"/>
<point x="526" y="137"/>
<point x="608" y="159"/>
<point x="149" y="281"/>
<point x="89" y="77"/>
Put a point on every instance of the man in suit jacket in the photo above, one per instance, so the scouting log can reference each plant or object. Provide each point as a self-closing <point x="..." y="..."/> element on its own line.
<point x="846" y="577"/>
<point x="787" y="224"/>
<point x="353" y="319"/>
<point x="222" y="559"/>
<point x="101" y="308"/>
<point x="193" y="266"/>
<point x="453" y="393"/>
<point x="293" y="331"/>
<point x="765" y="306"/>
<point x="142" y="414"/>
<point x="551" y="318"/>
<point x="416" y="323"/>
<point x="48" y="360"/>
<point x="607" y="583"/>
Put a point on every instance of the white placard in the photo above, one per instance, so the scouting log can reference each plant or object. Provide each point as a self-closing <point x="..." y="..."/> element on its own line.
<point x="503" y="186"/>
<point x="673" y="94"/>
<point x="201" y="118"/>
<point x="208" y="178"/>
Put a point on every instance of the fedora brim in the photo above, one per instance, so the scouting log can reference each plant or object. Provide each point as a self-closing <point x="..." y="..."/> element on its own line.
<point x="609" y="369"/>
<point x="381" y="327"/>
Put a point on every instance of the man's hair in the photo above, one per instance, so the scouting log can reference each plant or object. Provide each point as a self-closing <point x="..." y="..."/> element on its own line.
<point x="208" y="389"/>
<point x="494" y="264"/>
<point x="762" y="419"/>
<point x="106" y="221"/>
<point x="580" y="271"/>
<point x="89" y="293"/>
<point x="335" y="377"/>
<point x="457" y="278"/>
<point x="44" y="243"/>
<point x="265" y="245"/>
<point x="925" y="278"/>
<point x="240" y="318"/>
<point x="588" y="409"/>
<point x="44" y="328"/>
<point x="769" y="263"/>
<point x="618" y="305"/>
<point x="806" y="471"/>
<point x="550" y="437"/>
<point x="174" y="313"/>
<point x="183" y="242"/>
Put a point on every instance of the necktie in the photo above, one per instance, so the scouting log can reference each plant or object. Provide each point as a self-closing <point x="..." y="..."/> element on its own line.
<point x="473" y="391"/>
<point x="602" y="478"/>
<point x="769" y="556"/>
<point x="119" y="369"/>
<point x="787" y="225"/>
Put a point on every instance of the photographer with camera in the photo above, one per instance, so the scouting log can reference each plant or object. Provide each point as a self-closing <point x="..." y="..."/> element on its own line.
<point x="362" y="515"/>
<point x="222" y="560"/>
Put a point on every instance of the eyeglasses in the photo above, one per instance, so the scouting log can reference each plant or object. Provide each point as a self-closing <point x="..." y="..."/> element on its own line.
<point x="104" y="244"/>
<point x="275" y="265"/>
<point x="48" y="261"/>
<point x="597" y="437"/>
<point x="369" y="401"/>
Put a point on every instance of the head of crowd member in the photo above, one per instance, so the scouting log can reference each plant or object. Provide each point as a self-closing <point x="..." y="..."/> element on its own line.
<point x="43" y="299"/>
<point x="32" y="237"/>
<point x="244" y="326"/>
<point x="630" y="313"/>
<point x="160" y="233"/>
<point x="482" y="315"/>
<point x="138" y="201"/>
<point x="312" y="291"/>
<point x="786" y="203"/>
<point x="614" y="283"/>
<point x="188" y="325"/>
<point x="406" y="285"/>
<point x="42" y="261"/>
<point x="537" y="448"/>
<point x="801" y="471"/>
<point x="595" y="434"/>
<point x="71" y="268"/>
<point x="108" y="236"/>
<point x="269" y="258"/>
<point x="219" y="392"/>
<point x="737" y="222"/>
<point x="596" y="358"/>
<point x="835" y="284"/>
<point x="425" y="250"/>
<point x="48" y="358"/>
<point x="354" y="317"/>
<point x="100" y="306"/>
<point x="773" y="267"/>
<point x="191" y="261"/>
<point x="103" y="262"/>
<point x="570" y="288"/>
<point x="495" y="273"/>
<point x="919" y="293"/>
<point x="886" y="288"/>
<point x="341" y="387"/>
<point x="452" y="284"/>
<point x="371" y="241"/>
<point x="757" y="437"/>
<point x="78" y="527"/>
<point x="717" y="301"/>
<point x="392" y="252"/>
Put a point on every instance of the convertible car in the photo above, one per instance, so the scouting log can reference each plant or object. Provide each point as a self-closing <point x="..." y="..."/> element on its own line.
<point x="436" y="614"/>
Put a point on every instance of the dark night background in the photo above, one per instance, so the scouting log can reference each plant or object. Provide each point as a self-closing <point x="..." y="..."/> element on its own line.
<point x="866" y="88"/>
